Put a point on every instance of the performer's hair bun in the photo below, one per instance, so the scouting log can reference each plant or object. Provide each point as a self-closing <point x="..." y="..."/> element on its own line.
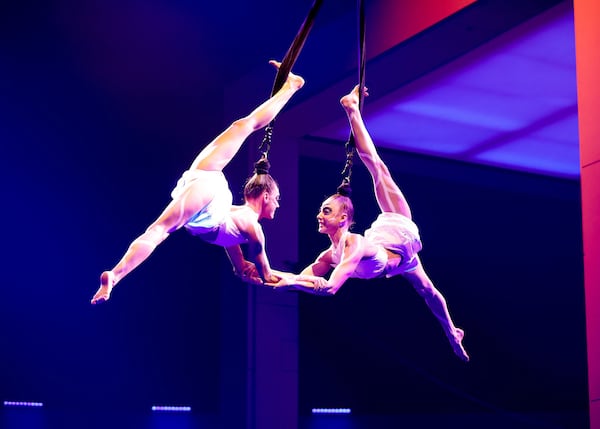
<point x="262" y="166"/>
<point x="345" y="190"/>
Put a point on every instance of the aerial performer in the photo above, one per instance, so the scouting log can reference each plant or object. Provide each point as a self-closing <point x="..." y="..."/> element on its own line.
<point x="388" y="248"/>
<point x="202" y="202"/>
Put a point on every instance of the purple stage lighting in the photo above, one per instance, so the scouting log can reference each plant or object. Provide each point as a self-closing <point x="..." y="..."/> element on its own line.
<point x="510" y="103"/>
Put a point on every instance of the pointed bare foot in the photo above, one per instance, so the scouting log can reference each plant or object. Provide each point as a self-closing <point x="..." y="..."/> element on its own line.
<point x="456" y="343"/>
<point x="296" y="82"/>
<point x="350" y="101"/>
<point x="107" y="281"/>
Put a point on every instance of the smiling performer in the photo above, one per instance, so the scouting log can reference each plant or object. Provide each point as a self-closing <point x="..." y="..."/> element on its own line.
<point x="202" y="202"/>
<point x="389" y="248"/>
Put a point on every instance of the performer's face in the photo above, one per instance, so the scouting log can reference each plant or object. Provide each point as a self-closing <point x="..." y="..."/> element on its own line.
<point x="331" y="216"/>
<point x="271" y="203"/>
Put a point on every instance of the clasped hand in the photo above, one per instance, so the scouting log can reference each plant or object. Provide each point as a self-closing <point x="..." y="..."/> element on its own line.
<point x="249" y="274"/>
<point x="285" y="281"/>
<point x="307" y="283"/>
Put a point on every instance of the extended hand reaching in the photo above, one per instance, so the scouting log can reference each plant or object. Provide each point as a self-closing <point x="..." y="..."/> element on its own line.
<point x="307" y="283"/>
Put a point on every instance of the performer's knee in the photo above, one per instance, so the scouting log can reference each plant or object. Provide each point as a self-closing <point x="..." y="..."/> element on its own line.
<point x="245" y="125"/>
<point x="152" y="237"/>
<point x="425" y="289"/>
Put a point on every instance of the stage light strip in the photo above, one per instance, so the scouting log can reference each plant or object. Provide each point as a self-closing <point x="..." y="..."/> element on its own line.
<point x="331" y="410"/>
<point x="22" y="404"/>
<point x="179" y="409"/>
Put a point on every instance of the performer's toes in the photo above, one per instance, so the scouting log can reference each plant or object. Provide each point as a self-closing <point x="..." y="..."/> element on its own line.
<point x="457" y="346"/>
<point x="295" y="81"/>
<point x="107" y="281"/>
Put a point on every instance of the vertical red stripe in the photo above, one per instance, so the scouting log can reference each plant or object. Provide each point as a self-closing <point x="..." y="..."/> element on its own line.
<point x="587" y="40"/>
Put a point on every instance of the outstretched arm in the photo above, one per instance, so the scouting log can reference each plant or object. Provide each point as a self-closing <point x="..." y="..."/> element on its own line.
<point x="258" y="253"/>
<point x="310" y="279"/>
<point x="354" y="250"/>
<point x="299" y="282"/>
<point x="242" y="268"/>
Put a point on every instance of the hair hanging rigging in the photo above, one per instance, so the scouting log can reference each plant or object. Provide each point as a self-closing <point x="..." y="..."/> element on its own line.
<point x="344" y="188"/>
<point x="282" y="74"/>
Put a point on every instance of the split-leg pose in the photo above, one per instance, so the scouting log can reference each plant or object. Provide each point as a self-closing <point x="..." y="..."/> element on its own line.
<point x="389" y="248"/>
<point x="392" y="200"/>
<point x="204" y="186"/>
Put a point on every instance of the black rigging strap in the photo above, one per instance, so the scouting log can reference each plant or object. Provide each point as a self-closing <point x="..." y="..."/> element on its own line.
<point x="350" y="144"/>
<point x="286" y="66"/>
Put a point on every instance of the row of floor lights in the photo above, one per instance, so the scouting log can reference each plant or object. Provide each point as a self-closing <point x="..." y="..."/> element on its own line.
<point x="22" y="404"/>
<point x="178" y="408"/>
<point x="172" y="408"/>
<point x="331" y="410"/>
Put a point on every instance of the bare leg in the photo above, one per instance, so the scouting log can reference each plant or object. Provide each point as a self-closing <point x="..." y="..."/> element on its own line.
<point x="391" y="199"/>
<point x="172" y="218"/>
<point x="214" y="157"/>
<point x="437" y="304"/>
<point x="217" y="154"/>
<point x="387" y="192"/>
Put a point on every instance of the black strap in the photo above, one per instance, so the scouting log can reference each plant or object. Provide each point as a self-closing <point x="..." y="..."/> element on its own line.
<point x="350" y="144"/>
<point x="286" y="66"/>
